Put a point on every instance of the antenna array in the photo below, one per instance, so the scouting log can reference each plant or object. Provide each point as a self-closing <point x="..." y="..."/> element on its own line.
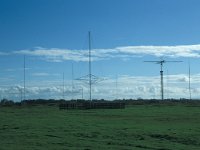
<point x="161" y="62"/>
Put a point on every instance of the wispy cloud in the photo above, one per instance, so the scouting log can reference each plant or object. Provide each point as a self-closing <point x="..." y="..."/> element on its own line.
<point x="167" y="51"/>
<point x="123" y="52"/>
<point x="55" y="54"/>
<point x="40" y="74"/>
<point x="3" y="53"/>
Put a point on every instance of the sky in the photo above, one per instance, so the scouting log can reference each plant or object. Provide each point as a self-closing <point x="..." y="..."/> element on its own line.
<point x="52" y="35"/>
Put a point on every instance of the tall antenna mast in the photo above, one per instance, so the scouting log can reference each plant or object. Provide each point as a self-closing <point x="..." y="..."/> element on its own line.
<point x="161" y="80"/>
<point x="63" y="85"/>
<point x="90" y="69"/>
<point x="167" y="84"/>
<point x="21" y="93"/>
<point x="72" y="75"/>
<point x="82" y="93"/>
<point x="72" y="81"/>
<point x="90" y="78"/>
<point x="189" y="81"/>
<point x="24" y="77"/>
<point x="116" y="86"/>
<point x="161" y="62"/>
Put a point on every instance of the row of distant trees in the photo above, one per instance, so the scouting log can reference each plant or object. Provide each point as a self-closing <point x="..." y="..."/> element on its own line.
<point x="52" y="102"/>
<point x="6" y="102"/>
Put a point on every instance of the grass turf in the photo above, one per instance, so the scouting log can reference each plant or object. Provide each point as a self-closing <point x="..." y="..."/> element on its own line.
<point x="140" y="127"/>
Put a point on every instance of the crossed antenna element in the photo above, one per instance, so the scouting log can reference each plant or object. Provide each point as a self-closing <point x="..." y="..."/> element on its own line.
<point x="90" y="78"/>
<point x="161" y="62"/>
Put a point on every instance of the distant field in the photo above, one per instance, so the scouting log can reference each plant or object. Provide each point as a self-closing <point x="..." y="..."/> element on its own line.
<point x="140" y="127"/>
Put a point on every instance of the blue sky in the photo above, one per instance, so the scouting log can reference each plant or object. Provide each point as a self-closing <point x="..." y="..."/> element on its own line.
<point x="53" y="35"/>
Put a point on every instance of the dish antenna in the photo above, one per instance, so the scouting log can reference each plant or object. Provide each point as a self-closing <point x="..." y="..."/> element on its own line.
<point x="161" y="62"/>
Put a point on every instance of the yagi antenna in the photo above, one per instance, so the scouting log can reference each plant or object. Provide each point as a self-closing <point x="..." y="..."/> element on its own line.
<point x="161" y="62"/>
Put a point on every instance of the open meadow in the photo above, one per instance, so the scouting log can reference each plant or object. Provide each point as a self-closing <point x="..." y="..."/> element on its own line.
<point x="137" y="127"/>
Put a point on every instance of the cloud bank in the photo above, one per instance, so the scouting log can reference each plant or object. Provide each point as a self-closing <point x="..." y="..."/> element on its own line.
<point x="175" y="86"/>
<point x="123" y="52"/>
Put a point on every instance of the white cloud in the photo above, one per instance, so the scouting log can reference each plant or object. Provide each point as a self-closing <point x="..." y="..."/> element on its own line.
<point x="167" y="51"/>
<point x="56" y="55"/>
<point x="175" y="86"/>
<point x="124" y="52"/>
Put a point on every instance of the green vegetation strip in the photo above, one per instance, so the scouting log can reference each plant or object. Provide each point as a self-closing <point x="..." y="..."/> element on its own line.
<point x="140" y="127"/>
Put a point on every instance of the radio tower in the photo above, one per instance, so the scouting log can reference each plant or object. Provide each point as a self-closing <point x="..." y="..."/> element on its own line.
<point x="24" y="77"/>
<point x="90" y="69"/>
<point x="90" y="78"/>
<point x="161" y="62"/>
<point x="189" y="81"/>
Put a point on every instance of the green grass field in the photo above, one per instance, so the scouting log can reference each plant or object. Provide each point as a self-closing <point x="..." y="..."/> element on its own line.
<point x="137" y="127"/>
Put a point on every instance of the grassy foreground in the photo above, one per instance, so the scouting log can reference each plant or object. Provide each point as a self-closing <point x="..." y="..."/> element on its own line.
<point x="153" y="127"/>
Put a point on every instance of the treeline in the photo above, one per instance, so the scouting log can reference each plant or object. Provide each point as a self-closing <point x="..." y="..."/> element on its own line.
<point x="162" y="102"/>
<point x="53" y="102"/>
<point x="6" y="102"/>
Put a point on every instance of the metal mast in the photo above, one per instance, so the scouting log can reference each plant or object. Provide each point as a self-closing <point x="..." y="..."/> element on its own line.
<point x="161" y="80"/>
<point x="24" y="78"/>
<point x="21" y="93"/>
<point x="90" y="79"/>
<point x="167" y="84"/>
<point x="63" y="85"/>
<point x="116" y="86"/>
<point x="161" y="62"/>
<point x="189" y="82"/>
<point x="72" y="76"/>
<point x="90" y="69"/>
<point x="82" y="93"/>
<point x="72" y="92"/>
